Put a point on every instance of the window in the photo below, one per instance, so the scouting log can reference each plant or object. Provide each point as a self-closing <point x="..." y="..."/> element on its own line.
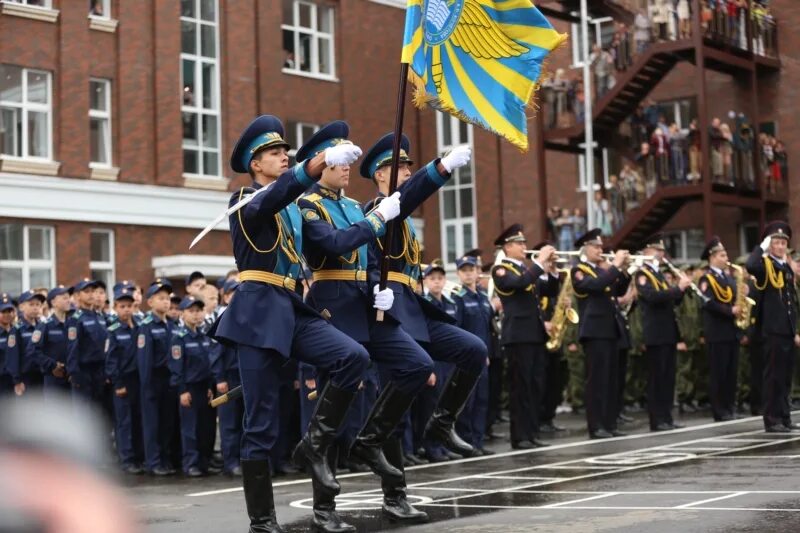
<point x="27" y="257"/>
<point x="681" y="111"/>
<point x="601" y="169"/>
<point x="35" y="3"/>
<point x="749" y="237"/>
<point x="100" y="8"/>
<point x="297" y="133"/>
<point x="601" y="32"/>
<point x="308" y="38"/>
<point x="25" y="113"/>
<point x="685" y="245"/>
<point x="100" y="122"/>
<point x="200" y="82"/>
<point x="101" y="263"/>
<point x="457" y="219"/>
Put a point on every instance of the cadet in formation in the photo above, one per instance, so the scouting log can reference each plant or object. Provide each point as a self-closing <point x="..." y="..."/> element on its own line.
<point x="48" y="346"/>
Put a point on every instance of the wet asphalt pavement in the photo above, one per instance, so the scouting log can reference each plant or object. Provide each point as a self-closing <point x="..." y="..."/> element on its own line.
<point x="709" y="477"/>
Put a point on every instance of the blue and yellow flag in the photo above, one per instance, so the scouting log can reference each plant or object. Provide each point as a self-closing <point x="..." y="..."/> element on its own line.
<point x="479" y="60"/>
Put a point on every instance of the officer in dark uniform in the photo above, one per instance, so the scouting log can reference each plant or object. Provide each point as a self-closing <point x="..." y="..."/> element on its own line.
<point x="123" y="373"/>
<point x="268" y="321"/>
<point x="524" y="331"/>
<point x="25" y="370"/>
<point x="774" y="276"/>
<point x="600" y="329"/>
<point x="86" y="341"/>
<point x="9" y="347"/>
<point x="720" y="331"/>
<point x="158" y="399"/>
<point x="474" y="314"/>
<point x="661" y="335"/>
<point x="336" y="234"/>
<point x="191" y="376"/>
<point x="48" y="347"/>
<point x="225" y="369"/>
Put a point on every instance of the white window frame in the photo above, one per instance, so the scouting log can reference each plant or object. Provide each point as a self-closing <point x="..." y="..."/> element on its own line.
<point x="582" y="170"/>
<point x="315" y="34"/>
<point x="26" y="107"/>
<point x="110" y="265"/>
<point x="459" y="222"/>
<point x="26" y="264"/>
<point x="298" y="134"/>
<point x="106" y="11"/>
<point x="47" y="4"/>
<point x="197" y="109"/>
<point x="577" y="42"/>
<point x="743" y="227"/>
<point x="103" y="115"/>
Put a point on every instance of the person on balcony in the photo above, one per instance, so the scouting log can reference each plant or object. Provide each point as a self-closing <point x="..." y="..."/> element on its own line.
<point x="659" y="146"/>
<point x="716" y="139"/>
<point x="602" y="63"/>
<point x="726" y="151"/>
<point x="641" y="31"/>
<point x="647" y="162"/>
<point x="677" y="152"/>
<point x="695" y="153"/>
<point x="660" y="10"/>
<point x="684" y="20"/>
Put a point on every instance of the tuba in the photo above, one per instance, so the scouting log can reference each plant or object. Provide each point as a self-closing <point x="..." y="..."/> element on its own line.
<point x="562" y="313"/>
<point x="742" y="300"/>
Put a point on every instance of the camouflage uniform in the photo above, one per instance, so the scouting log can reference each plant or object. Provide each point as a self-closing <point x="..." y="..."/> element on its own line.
<point x="636" y="380"/>
<point x="575" y="363"/>
<point x="690" y="326"/>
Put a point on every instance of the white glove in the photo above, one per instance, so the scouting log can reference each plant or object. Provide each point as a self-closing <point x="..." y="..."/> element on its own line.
<point x="765" y="243"/>
<point x="389" y="207"/>
<point x="341" y="154"/>
<point x="459" y="157"/>
<point x="383" y="298"/>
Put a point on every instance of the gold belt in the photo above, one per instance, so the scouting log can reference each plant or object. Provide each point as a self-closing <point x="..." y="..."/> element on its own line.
<point x="268" y="277"/>
<point x="340" y="275"/>
<point x="402" y="278"/>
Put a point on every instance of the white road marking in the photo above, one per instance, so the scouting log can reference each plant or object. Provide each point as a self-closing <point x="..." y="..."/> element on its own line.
<point x="709" y="500"/>
<point x="566" y="445"/>
<point x="570" y="502"/>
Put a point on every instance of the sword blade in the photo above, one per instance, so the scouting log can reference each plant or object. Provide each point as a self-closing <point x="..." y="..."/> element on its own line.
<point x="228" y="212"/>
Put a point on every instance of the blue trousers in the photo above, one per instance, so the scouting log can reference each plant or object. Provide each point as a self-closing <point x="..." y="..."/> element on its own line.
<point x="56" y="385"/>
<point x="194" y="423"/>
<point x="424" y="406"/>
<point x="128" y="421"/>
<point x="315" y="342"/>
<point x="158" y="418"/>
<point x="231" y="415"/>
<point x="452" y="344"/>
<point x="94" y="383"/>
<point x="400" y="359"/>
<point x="471" y="423"/>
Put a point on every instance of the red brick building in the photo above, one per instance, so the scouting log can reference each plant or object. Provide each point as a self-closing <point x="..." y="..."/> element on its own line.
<point x="117" y="119"/>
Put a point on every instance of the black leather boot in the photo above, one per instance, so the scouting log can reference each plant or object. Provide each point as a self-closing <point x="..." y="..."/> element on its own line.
<point x="395" y="503"/>
<point x="258" y="497"/>
<point x="441" y="426"/>
<point x="312" y="450"/>
<point x="389" y="408"/>
<point x="326" y="519"/>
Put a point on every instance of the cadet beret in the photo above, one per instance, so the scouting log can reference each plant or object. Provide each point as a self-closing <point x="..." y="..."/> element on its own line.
<point x="55" y="291"/>
<point x="189" y="301"/>
<point x="777" y="229"/>
<point x="436" y="265"/>
<point x="466" y="260"/>
<point x="85" y="283"/>
<point x="6" y="302"/>
<point x="513" y="233"/>
<point x="713" y="246"/>
<point x="156" y="287"/>
<point x="123" y="293"/>
<point x="265" y="131"/>
<point x="593" y="236"/>
<point x="329" y="135"/>
<point x="381" y="154"/>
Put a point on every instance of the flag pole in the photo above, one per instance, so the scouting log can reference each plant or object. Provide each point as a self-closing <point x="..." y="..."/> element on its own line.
<point x="398" y="133"/>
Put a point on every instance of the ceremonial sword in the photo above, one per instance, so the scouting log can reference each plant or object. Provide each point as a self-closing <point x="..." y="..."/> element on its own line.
<point x="228" y="212"/>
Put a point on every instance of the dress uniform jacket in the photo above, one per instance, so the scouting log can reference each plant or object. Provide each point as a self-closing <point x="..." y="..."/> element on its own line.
<point x="121" y="353"/>
<point x="474" y="313"/>
<point x="267" y="238"/>
<point x="336" y="234"/>
<point x="778" y="301"/>
<point x="409" y="308"/>
<point x="519" y="289"/>
<point x="718" y="321"/>
<point x="657" y="301"/>
<point x="86" y="341"/>
<point x="596" y="290"/>
<point x="48" y="347"/>
<point x="23" y="363"/>
<point x="9" y="349"/>
<point x="153" y="343"/>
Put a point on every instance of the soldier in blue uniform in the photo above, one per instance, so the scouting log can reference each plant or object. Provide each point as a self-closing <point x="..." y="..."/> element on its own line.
<point x="122" y="372"/>
<point x="774" y="276"/>
<point x="474" y="314"/>
<point x="661" y="335"/>
<point x="9" y="347"/>
<point x="189" y="364"/>
<point x="268" y="321"/>
<point x="719" y="330"/>
<point x="48" y="347"/>
<point x="225" y="369"/>
<point x="336" y="235"/>
<point x="24" y="369"/>
<point x="433" y="280"/>
<point x="86" y="339"/>
<point x="600" y="330"/>
<point x="433" y="329"/>
<point x="158" y="399"/>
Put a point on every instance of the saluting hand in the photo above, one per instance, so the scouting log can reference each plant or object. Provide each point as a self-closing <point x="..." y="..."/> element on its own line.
<point x="341" y="154"/>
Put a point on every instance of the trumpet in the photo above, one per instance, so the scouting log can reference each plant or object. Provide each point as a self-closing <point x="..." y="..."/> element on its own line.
<point x="576" y="253"/>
